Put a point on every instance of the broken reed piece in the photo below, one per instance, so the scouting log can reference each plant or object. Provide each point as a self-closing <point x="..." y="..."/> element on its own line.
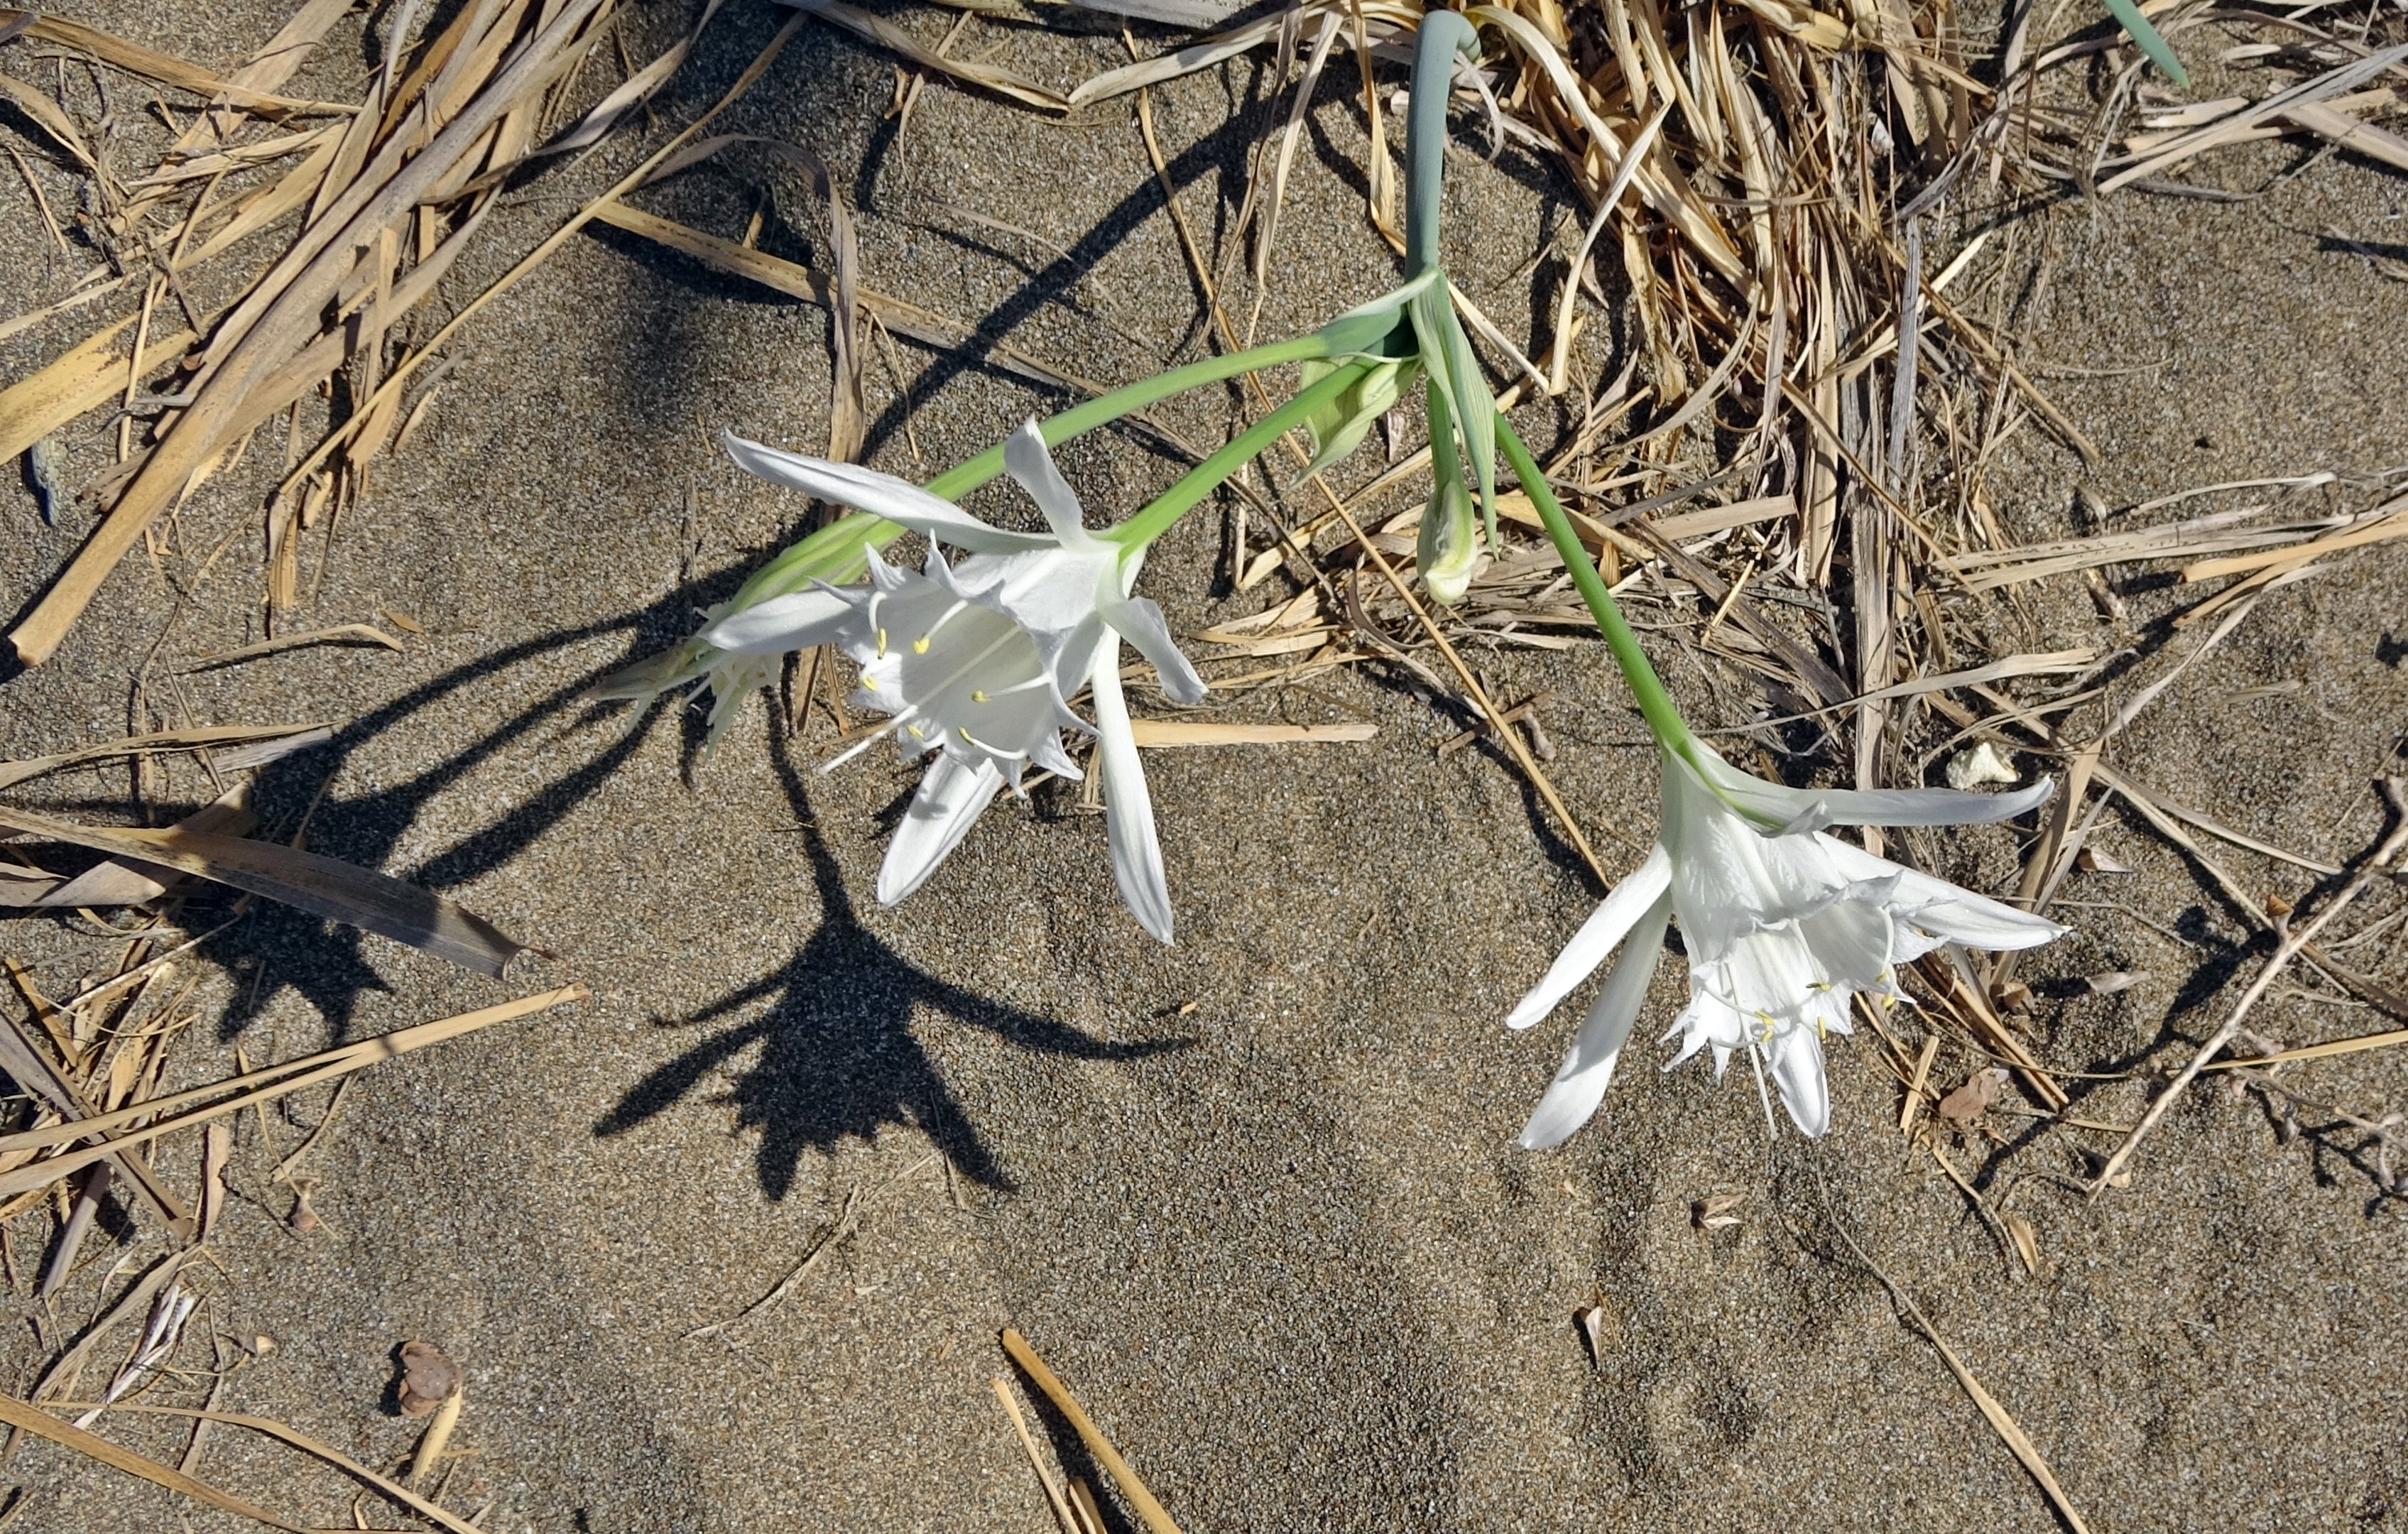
<point x="1063" y="1513"/>
<point x="139" y="1123"/>
<point x="30" y="1419"/>
<point x="437" y="1438"/>
<point x="1156" y="1519"/>
<point x="2291" y="943"/>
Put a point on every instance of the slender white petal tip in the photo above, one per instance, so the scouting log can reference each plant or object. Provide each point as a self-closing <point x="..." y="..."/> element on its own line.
<point x="1128" y="808"/>
<point x="797" y="621"/>
<point x="1580" y="1083"/>
<point x="950" y="799"/>
<point x="1613" y="918"/>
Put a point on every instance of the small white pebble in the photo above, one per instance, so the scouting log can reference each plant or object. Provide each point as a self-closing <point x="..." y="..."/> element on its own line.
<point x="1980" y="763"/>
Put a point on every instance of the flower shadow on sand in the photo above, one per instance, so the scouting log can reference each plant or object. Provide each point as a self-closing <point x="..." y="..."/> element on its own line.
<point x="837" y="1055"/>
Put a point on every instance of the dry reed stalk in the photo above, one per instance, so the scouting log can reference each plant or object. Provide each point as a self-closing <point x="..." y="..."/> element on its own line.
<point x="1149" y="1510"/>
<point x="2291" y="943"/>
<point x="388" y="196"/>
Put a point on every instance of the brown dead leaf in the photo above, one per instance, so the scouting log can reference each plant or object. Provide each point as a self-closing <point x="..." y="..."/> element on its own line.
<point x="1974" y="1099"/>
<point x="427" y="1378"/>
<point x="2026" y="1242"/>
<point x="1593" y="1321"/>
<point x="304" y="1220"/>
<point x="1714" y="1214"/>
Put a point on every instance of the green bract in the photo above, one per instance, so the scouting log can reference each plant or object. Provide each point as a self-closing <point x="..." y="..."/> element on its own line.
<point x="1449" y="544"/>
<point x="1337" y="428"/>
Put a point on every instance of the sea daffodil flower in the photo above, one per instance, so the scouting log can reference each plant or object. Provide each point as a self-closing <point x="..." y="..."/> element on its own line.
<point x="1784" y="924"/>
<point x="977" y="661"/>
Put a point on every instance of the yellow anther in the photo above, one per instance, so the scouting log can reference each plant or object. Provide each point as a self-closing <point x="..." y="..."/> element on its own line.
<point x="919" y="645"/>
<point x="916" y="732"/>
<point x="881" y="644"/>
<point x="868" y="683"/>
<point x="977" y="698"/>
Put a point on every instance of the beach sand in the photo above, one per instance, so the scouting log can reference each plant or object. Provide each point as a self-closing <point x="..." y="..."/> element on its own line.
<point x="1254" y="1196"/>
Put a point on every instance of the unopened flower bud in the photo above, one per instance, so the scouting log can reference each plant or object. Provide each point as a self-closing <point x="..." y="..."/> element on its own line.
<point x="1449" y="545"/>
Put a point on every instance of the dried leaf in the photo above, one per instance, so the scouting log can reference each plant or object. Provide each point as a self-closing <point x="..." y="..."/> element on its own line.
<point x="2019" y="1231"/>
<point x="1714" y="1212"/>
<point x="82" y="378"/>
<point x="1183" y="732"/>
<point x="19" y="1414"/>
<point x="1973" y="1099"/>
<point x="150" y="1119"/>
<point x="427" y="1378"/>
<point x="164" y="68"/>
<point x="886" y="35"/>
<point x="311" y="881"/>
<point x="342" y="633"/>
<point x="123" y="882"/>
<point x="1593" y="1321"/>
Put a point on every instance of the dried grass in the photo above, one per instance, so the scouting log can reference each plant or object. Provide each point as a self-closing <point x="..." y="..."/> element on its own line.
<point x="388" y="195"/>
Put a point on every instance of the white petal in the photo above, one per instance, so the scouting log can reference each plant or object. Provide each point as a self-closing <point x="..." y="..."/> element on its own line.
<point x="950" y="799"/>
<point x="797" y="621"/>
<point x="1852" y="938"/>
<point x="1141" y="622"/>
<point x="1579" y="1085"/>
<point x="1798" y="1071"/>
<point x="1025" y="457"/>
<point x="1128" y="812"/>
<point x="1069" y="654"/>
<point x="1730" y="879"/>
<point x="1770" y="977"/>
<point x="1047" y="751"/>
<point x="1942" y="908"/>
<point x="880" y="495"/>
<point x="1706" y="1019"/>
<point x="1795" y="810"/>
<point x="1614" y="917"/>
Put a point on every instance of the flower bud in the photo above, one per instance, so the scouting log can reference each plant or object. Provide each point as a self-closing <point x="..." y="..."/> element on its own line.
<point x="1449" y="545"/>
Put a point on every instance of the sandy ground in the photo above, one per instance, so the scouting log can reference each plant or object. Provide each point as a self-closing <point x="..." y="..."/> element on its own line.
<point x="1255" y="1195"/>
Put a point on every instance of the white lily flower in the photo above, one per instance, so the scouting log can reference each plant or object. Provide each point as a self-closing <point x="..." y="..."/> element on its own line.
<point x="1784" y="924"/>
<point x="978" y="660"/>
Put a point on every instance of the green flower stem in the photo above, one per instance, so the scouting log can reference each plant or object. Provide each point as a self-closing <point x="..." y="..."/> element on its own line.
<point x="962" y="478"/>
<point x="834" y="553"/>
<point x="1445" y="462"/>
<point x="1655" y="704"/>
<point x="1172" y="504"/>
<point x="1443" y="35"/>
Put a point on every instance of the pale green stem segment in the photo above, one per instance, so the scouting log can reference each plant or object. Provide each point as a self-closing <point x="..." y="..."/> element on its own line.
<point x="1155" y="520"/>
<point x="1446" y="459"/>
<point x="2151" y="40"/>
<point x="834" y="553"/>
<point x="1655" y="704"/>
<point x="1443" y="35"/>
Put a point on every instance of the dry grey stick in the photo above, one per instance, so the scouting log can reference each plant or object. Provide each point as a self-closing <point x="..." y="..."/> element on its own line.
<point x="2291" y="943"/>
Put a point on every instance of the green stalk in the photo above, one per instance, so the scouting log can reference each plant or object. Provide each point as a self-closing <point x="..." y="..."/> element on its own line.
<point x="1172" y="504"/>
<point x="1443" y="35"/>
<point x="834" y="553"/>
<point x="967" y="476"/>
<point x="1655" y="704"/>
